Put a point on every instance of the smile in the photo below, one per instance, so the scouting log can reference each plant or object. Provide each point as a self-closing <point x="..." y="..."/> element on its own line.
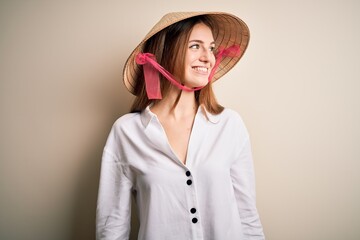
<point x="200" y="69"/>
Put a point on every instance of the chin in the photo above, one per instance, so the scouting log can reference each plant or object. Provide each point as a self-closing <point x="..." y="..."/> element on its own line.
<point x="199" y="83"/>
<point x="204" y="83"/>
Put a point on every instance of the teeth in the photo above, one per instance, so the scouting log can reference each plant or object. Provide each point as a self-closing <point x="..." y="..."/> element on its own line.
<point x="201" y="69"/>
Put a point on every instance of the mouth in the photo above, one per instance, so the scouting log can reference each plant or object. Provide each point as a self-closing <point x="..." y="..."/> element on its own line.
<point x="202" y="70"/>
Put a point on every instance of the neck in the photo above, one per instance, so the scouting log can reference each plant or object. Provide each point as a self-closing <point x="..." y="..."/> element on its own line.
<point x="186" y="106"/>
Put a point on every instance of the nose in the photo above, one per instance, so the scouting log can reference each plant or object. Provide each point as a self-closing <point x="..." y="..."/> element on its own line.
<point x="205" y="55"/>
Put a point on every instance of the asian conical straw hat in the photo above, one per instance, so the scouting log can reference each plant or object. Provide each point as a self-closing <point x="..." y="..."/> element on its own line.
<point x="228" y="30"/>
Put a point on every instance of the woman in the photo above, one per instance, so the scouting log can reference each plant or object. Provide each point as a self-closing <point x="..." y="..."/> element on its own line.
<point x="185" y="158"/>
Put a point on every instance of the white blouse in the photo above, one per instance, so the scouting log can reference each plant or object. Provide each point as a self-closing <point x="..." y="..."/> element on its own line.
<point x="211" y="197"/>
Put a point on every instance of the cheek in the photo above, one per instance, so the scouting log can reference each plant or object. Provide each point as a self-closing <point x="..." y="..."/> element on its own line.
<point x="212" y="61"/>
<point x="187" y="60"/>
<point x="190" y="58"/>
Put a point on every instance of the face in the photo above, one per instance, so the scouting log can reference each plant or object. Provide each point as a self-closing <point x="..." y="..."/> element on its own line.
<point x="199" y="58"/>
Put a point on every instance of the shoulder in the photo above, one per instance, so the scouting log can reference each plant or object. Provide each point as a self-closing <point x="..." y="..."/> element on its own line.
<point x="125" y="120"/>
<point x="122" y="126"/>
<point x="232" y="119"/>
<point x="226" y="115"/>
<point x="231" y="115"/>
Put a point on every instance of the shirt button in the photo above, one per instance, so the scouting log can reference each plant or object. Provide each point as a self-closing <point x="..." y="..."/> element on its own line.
<point x="188" y="173"/>
<point x="193" y="210"/>
<point x="189" y="182"/>
<point x="194" y="220"/>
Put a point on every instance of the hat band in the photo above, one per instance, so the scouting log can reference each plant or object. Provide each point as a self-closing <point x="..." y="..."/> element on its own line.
<point x="152" y="69"/>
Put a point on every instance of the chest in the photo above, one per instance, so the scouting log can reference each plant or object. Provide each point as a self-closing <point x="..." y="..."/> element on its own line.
<point x="178" y="136"/>
<point x="209" y="152"/>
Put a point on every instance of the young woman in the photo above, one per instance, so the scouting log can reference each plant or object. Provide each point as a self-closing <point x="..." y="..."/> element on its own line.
<point x="184" y="158"/>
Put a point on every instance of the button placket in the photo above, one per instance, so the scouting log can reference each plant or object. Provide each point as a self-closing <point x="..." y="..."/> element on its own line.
<point x="192" y="210"/>
<point x="188" y="174"/>
<point x="194" y="219"/>
<point x="192" y="203"/>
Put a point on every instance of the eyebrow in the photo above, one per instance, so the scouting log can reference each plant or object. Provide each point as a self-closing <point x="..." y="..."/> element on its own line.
<point x="200" y="41"/>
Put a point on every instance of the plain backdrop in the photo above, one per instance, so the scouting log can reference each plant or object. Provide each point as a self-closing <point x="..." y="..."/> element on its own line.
<point x="297" y="89"/>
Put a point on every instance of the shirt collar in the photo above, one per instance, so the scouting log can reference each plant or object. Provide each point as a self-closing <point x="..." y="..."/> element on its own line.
<point x="212" y="118"/>
<point x="146" y="116"/>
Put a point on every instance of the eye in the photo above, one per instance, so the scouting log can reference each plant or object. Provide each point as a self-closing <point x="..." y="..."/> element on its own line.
<point x="212" y="49"/>
<point x="194" y="46"/>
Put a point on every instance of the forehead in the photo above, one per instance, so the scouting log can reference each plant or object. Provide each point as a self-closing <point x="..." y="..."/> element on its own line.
<point x="201" y="32"/>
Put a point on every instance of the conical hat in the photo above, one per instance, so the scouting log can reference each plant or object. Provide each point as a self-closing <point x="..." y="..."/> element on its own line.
<point x="228" y="30"/>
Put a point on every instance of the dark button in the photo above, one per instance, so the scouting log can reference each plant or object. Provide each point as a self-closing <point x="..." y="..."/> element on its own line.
<point x="189" y="182"/>
<point x="194" y="220"/>
<point x="188" y="173"/>
<point x="193" y="210"/>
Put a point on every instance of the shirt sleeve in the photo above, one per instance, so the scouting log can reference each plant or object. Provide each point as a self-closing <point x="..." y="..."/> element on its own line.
<point x="113" y="211"/>
<point x="242" y="173"/>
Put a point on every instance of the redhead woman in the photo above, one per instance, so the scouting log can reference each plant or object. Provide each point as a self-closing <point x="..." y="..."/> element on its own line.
<point x="185" y="159"/>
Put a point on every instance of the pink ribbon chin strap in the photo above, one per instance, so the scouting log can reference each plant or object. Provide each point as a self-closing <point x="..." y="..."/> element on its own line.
<point x="152" y="69"/>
